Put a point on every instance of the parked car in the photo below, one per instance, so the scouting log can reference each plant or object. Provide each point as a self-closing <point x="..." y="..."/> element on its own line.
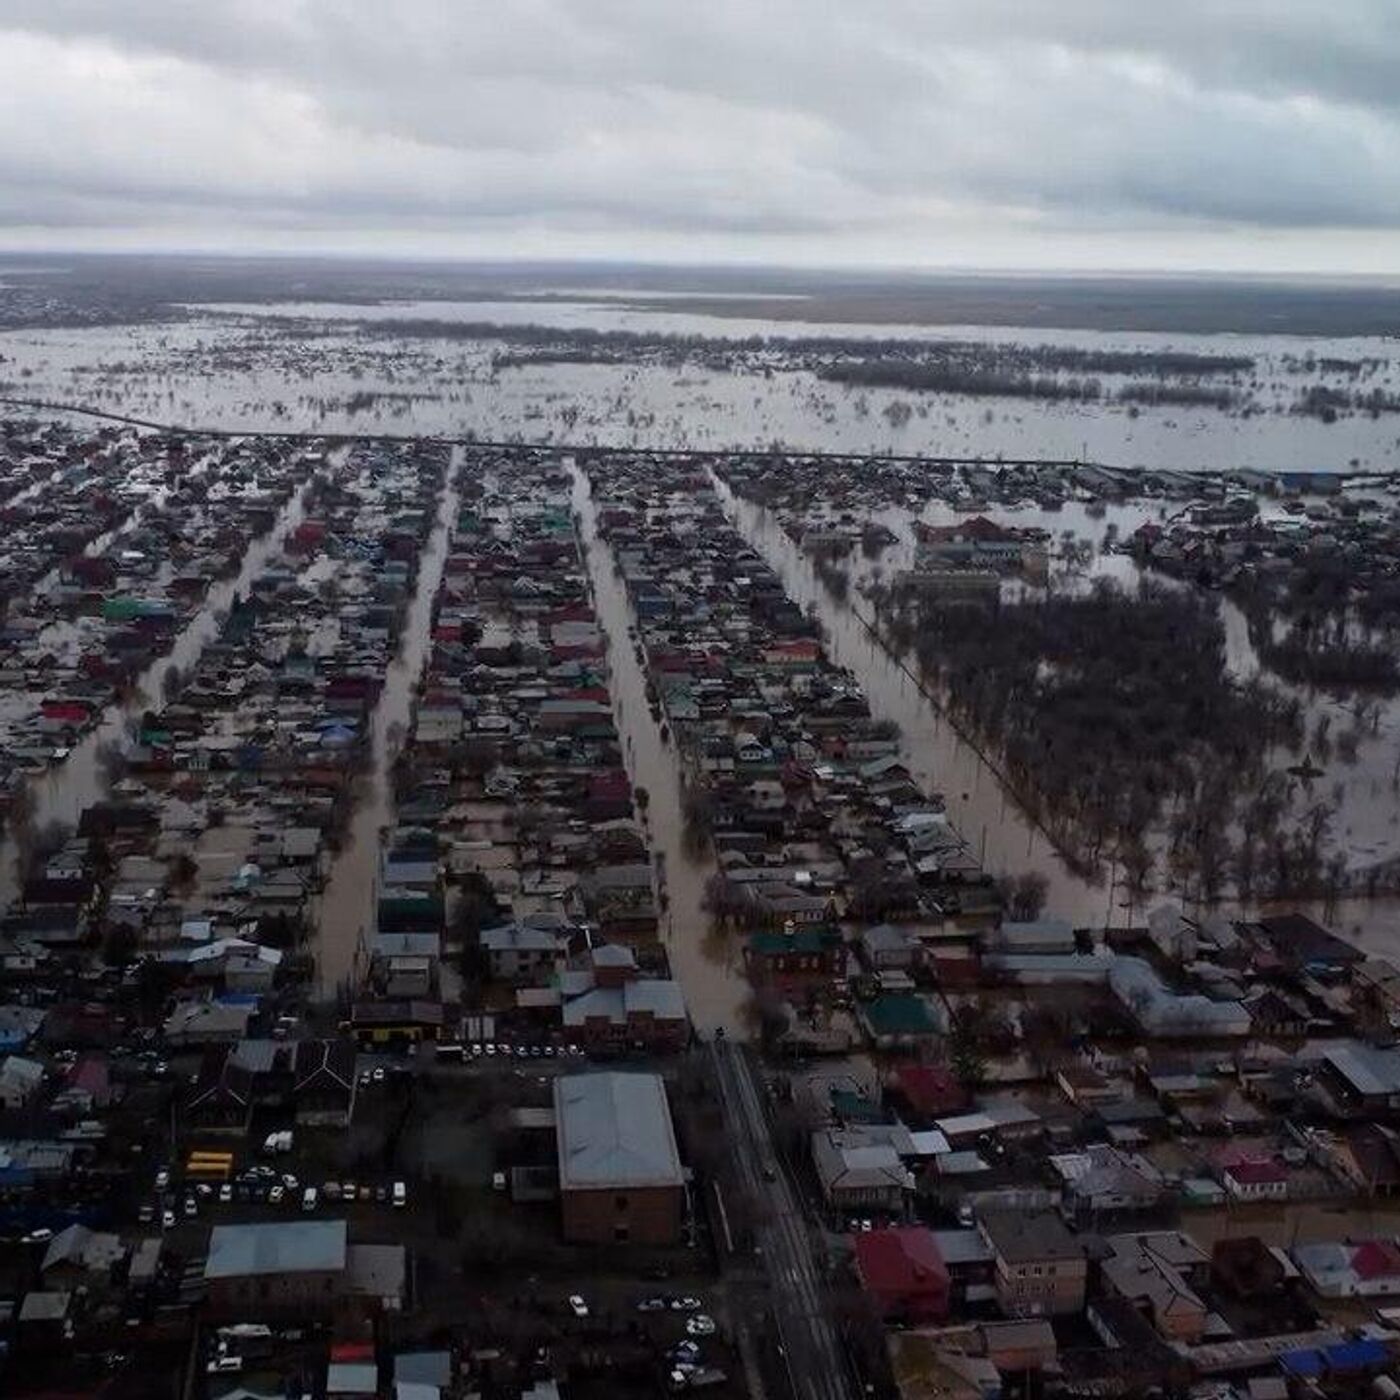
<point x="577" y="1306"/>
<point x="701" y="1325"/>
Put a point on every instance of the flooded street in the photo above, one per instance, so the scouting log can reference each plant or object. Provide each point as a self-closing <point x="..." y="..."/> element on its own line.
<point x="66" y="790"/>
<point x="346" y="906"/>
<point x="708" y="966"/>
<point x="977" y="801"/>
<point x="939" y="758"/>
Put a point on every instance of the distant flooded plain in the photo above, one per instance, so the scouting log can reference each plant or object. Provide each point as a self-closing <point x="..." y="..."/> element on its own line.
<point x="338" y="366"/>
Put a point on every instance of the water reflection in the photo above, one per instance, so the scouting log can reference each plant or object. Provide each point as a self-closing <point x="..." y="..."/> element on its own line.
<point x="708" y="966"/>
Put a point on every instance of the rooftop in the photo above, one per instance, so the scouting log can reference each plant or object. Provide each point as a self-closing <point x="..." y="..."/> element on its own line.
<point x="615" y="1130"/>
<point x="292" y="1247"/>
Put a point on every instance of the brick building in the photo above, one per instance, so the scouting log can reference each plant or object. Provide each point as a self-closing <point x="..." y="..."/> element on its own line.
<point x="620" y="1174"/>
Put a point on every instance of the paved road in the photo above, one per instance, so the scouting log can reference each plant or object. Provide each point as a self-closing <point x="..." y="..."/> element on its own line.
<point x="815" y="1360"/>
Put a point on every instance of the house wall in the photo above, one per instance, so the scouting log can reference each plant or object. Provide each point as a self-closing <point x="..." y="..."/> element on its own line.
<point x="1041" y="1289"/>
<point x="651" y="1215"/>
<point x="276" y="1294"/>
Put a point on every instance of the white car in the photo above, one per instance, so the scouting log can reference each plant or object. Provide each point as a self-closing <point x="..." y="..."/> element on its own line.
<point x="167" y="1220"/>
<point x="685" y="1305"/>
<point x="577" y="1306"/>
<point x="40" y="1236"/>
<point x="274" y="1197"/>
<point x="225" y="1194"/>
<point x="701" y="1325"/>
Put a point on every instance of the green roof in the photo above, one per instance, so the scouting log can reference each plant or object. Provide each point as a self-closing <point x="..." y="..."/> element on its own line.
<point x="901" y="1013"/>
<point x="801" y="940"/>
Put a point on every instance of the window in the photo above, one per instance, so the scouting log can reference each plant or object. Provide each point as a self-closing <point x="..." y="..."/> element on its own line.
<point x="620" y="1202"/>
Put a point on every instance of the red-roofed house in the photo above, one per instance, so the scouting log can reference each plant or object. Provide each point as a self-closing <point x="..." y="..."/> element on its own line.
<point x="929" y="1091"/>
<point x="1256" y="1180"/>
<point x="904" y="1273"/>
<point x="1376" y="1259"/>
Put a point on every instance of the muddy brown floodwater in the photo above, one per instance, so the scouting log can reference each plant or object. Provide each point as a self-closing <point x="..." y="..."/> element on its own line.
<point x="939" y="758"/>
<point x="709" y="966"/>
<point x="66" y="790"/>
<point x="978" y="803"/>
<point x="345" y="910"/>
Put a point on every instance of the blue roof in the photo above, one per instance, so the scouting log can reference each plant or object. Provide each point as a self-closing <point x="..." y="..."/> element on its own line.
<point x="1344" y="1356"/>
<point x="1356" y="1356"/>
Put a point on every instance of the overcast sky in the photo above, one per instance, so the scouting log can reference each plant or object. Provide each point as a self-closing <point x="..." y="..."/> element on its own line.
<point x="1235" y="134"/>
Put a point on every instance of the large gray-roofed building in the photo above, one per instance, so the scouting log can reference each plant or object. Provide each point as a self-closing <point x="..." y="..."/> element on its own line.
<point x="615" y="1130"/>
<point x="296" y="1246"/>
<point x="620" y="1173"/>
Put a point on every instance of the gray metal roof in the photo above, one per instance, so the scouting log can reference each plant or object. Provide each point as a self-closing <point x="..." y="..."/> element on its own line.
<point x="293" y="1247"/>
<point x="615" y="1131"/>
<point x="1368" y="1069"/>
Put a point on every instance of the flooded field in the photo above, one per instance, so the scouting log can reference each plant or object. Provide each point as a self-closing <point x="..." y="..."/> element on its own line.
<point x="304" y="366"/>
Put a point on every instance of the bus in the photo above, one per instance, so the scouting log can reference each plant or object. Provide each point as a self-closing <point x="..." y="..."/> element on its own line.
<point x="209" y="1166"/>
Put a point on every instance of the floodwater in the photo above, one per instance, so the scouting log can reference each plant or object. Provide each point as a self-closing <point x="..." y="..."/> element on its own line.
<point x="345" y="910"/>
<point x="939" y="758"/>
<point x="256" y="374"/>
<point x="708" y="965"/>
<point x="978" y="803"/>
<point x="65" y="791"/>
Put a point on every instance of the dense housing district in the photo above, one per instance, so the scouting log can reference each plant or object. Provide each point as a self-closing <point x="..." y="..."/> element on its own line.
<point x="465" y="933"/>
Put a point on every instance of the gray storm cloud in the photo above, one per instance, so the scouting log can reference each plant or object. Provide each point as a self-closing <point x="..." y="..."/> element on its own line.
<point x="895" y="130"/>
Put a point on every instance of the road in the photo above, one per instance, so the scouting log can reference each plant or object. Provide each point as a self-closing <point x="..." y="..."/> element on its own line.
<point x="816" y="1362"/>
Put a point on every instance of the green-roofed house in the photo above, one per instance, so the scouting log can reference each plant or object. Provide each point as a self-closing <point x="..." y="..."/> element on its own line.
<point x="795" y="955"/>
<point x="901" y="1020"/>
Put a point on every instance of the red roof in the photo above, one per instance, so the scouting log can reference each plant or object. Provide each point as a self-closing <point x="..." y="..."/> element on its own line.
<point x="1376" y="1259"/>
<point x="978" y="528"/>
<point x="1257" y="1173"/>
<point x="352" y="1351"/>
<point x="931" y="1089"/>
<point x="903" y="1267"/>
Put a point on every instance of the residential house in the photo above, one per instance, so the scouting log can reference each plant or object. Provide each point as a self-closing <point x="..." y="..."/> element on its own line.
<point x="20" y="1080"/>
<point x="1104" y="1180"/>
<point x="524" y="953"/>
<point x="609" y="1005"/>
<point x="1354" y="1269"/>
<point x="860" y="1170"/>
<point x="902" y="1272"/>
<point x="795" y="956"/>
<point x="1041" y="1267"/>
<point x="901" y="1020"/>
<point x="1255" y="1179"/>
<point x="1158" y="1273"/>
<point x="890" y="948"/>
